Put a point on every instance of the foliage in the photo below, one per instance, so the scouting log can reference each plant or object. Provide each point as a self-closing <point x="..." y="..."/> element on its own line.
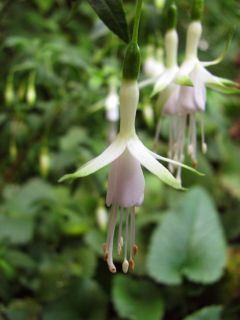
<point x="58" y="62"/>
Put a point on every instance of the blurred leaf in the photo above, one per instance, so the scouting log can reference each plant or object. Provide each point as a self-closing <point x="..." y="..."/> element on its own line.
<point x="20" y="259"/>
<point x="26" y="198"/>
<point x="95" y="239"/>
<point x="44" y="5"/>
<point x="137" y="300"/>
<point x="23" y="310"/>
<point x="112" y="14"/>
<point x="16" y="229"/>
<point x="83" y="300"/>
<point x="208" y="313"/>
<point x="188" y="242"/>
<point x="73" y="138"/>
<point x="231" y="183"/>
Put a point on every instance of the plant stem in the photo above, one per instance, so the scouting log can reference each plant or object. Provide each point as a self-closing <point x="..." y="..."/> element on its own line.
<point x="136" y="21"/>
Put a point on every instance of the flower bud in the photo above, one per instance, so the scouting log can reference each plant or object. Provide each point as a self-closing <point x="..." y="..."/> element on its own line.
<point x="197" y="10"/>
<point x="44" y="162"/>
<point x="131" y="64"/>
<point x="172" y="17"/>
<point x="31" y="90"/>
<point x="101" y="217"/>
<point x="9" y="91"/>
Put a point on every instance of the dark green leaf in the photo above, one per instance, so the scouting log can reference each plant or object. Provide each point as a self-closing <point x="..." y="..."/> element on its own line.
<point x="137" y="300"/>
<point x="112" y="14"/>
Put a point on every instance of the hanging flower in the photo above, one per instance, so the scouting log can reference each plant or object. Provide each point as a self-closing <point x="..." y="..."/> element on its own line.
<point x="126" y="181"/>
<point x="127" y="154"/>
<point x="183" y="94"/>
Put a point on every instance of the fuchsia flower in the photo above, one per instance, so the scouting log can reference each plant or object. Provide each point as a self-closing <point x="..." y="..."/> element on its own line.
<point x="183" y="94"/>
<point x="126" y="155"/>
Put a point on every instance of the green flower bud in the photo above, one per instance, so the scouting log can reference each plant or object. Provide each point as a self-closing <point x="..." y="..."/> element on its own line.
<point x="44" y="162"/>
<point x="9" y="91"/>
<point x="131" y="64"/>
<point x="197" y="10"/>
<point x="172" y="17"/>
<point x="31" y="91"/>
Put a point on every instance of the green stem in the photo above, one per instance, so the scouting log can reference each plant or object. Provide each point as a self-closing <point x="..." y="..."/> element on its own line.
<point x="137" y="21"/>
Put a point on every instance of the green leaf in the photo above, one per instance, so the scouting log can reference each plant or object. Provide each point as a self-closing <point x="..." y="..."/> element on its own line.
<point x="83" y="299"/>
<point x="231" y="183"/>
<point x="189" y="242"/>
<point x="208" y="313"/>
<point x="17" y="229"/>
<point x="25" y="199"/>
<point x="137" y="300"/>
<point x="112" y="14"/>
<point x="23" y="309"/>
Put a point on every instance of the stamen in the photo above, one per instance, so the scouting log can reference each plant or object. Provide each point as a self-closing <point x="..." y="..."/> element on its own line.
<point x="171" y="146"/>
<point x="192" y="148"/>
<point x="120" y="238"/>
<point x="106" y="245"/>
<point x="131" y="264"/>
<point x="132" y="238"/>
<point x="125" y="262"/>
<point x="181" y="142"/>
<point x="125" y="266"/>
<point x="133" y="245"/>
<point x="204" y="145"/>
<point x="135" y="250"/>
<point x="112" y="225"/>
<point x="105" y="252"/>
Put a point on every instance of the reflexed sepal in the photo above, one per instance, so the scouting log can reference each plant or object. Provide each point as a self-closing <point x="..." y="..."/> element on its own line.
<point x="131" y="64"/>
<point x="225" y="86"/>
<point x="221" y="56"/>
<point x="184" y="81"/>
<point x="164" y="80"/>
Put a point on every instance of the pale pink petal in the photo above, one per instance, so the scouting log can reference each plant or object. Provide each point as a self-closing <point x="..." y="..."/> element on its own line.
<point x="171" y="103"/>
<point x="125" y="182"/>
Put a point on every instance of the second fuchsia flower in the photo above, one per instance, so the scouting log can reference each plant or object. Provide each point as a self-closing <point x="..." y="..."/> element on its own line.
<point x="182" y="90"/>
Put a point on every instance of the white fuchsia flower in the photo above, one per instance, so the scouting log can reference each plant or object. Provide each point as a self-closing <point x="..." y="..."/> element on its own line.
<point x="183" y="94"/>
<point x="171" y="67"/>
<point x="192" y="100"/>
<point x="126" y="181"/>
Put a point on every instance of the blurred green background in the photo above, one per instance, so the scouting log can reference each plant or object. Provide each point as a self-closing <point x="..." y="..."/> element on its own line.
<point x="58" y="62"/>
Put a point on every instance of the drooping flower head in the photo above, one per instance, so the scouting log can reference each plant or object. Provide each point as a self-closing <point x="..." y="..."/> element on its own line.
<point x="126" y="155"/>
<point x="192" y="99"/>
<point x="183" y="90"/>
